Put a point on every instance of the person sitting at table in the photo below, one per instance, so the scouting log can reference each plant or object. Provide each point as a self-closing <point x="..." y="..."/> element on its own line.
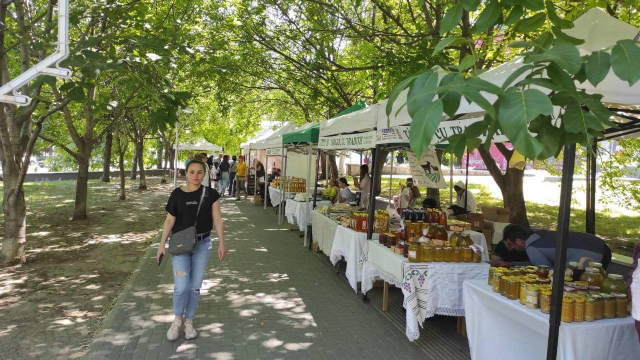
<point x="633" y="287"/>
<point x="430" y="203"/>
<point x="466" y="201"/>
<point x="540" y="246"/>
<point x="331" y="191"/>
<point x="503" y="257"/>
<point x="344" y="195"/>
<point x="409" y="195"/>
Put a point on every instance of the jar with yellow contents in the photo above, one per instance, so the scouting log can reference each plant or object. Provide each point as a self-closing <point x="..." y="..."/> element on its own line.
<point x="414" y="252"/>
<point x="504" y="285"/>
<point x="621" y="305"/>
<point x="426" y="252"/>
<point x="467" y="255"/>
<point x="448" y="254"/>
<point x="513" y="288"/>
<point x="495" y="281"/>
<point x="578" y="314"/>
<point x="523" y="290"/>
<point x="599" y="302"/>
<point x="545" y="301"/>
<point x="590" y="309"/>
<point x="438" y="254"/>
<point x="568" y="309"/>
<point x="609" y="306"/>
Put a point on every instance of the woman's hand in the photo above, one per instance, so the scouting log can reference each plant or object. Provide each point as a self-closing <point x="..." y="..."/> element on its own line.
<point x="222" y="251"/>
<point x="161" y="251"/>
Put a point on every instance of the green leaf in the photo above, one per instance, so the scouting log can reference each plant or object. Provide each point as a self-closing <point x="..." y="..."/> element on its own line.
<point x="470" y="5"/>
<point x="525" y="45"/>
<point x="562" y="98"/>
<point x="515" y="15"/>
<point x="77" y="94"/>
<point x="423" y="125"/>
<point x="451" y="18"/>
<point x="555" y="19"/>
<point x="397" y="90"/>
<point x="466" y="63"/>
<point x="550" y="136"/>
<point x="422" y="92"/>
<point x="534" y="5"/>
<point x="625" y="61"/>
<point x="560" y="77"/>
<point x="531" y="24"/>
<point x="597" y="67"/>
<point x="450" y="99"/>
<point x="67" y="86"/>
<point x="545" y="40"/>
<point x="483" y="85"/>
<point x="448" y="41"/>
<point x="594" y="104"/>
<point x="457" y="145"/>
<point x="581" y="76"/>
<point x="474" y="96"/>
<point x="576" y="121"/>
<point x="516" y="74"/>
<point x="564" y="38"/>
<point x="546" y="83"/>
<point x="566" y="56"/>
<point x="516" y="110"/>
<point x="488" y="17"/>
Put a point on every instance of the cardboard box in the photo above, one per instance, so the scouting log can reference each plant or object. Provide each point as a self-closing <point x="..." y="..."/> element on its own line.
<point x="496" y="214"/>
<point x="476" y="221"/>
<point x="315" y="247"/>
<point x="257" y="200"/>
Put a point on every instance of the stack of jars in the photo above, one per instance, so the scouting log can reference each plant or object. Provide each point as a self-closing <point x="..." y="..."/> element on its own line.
<point x="381" y="223"/>
<point x="582" y="300"/>
<point x="358" y="221"/>
<point x="428" y="252"/>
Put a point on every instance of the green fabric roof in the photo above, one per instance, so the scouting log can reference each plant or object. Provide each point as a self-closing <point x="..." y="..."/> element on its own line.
<point x="359" y="105"/>
<point x="309" y="135"/>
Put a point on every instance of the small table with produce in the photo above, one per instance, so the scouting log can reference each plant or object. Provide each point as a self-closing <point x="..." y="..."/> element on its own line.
<point x="501" y="327"/>
<point x="295" y="210"/>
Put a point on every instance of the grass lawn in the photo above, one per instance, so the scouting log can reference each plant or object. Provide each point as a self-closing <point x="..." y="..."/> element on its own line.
<point x="75" y="270"/>
<point x="621" y="232"/>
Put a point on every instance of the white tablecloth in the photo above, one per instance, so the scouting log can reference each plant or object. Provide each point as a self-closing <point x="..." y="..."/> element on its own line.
<point x="498" y="328"/>
<point x="296" y="214"/>
<point x="324" y="231"/>
<point x="275" y="195"/>
<point x="350" y="244"/>
<point x="428" y="288"/>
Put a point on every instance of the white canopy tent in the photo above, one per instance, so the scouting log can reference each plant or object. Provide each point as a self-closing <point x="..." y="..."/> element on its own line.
<point x="356" y="130"/>
<point x="201" y="144"/>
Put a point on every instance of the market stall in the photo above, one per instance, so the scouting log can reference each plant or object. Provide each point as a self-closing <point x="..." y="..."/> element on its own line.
<point x="324" y="230"/>
<point x="272" y="145"/>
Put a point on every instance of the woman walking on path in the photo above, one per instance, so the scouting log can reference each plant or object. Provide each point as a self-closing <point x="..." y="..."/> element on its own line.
<point x="224" y="174"/>
<point x="189" y="269"/>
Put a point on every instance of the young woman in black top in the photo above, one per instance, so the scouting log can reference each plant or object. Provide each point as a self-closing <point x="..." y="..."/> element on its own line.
<point x="188" y="270"/>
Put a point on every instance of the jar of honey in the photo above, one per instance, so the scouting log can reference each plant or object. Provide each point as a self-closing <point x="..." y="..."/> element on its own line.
<point x="614" y="283"/>
<point x="621" y="305"/>
<point x="523" y="290"/>
<point x="609" y="306"/>
<point x="495" y="281"/>
<point x="414" y="252"/>
<point x="599" y="301"/>
<point x="545" y="301"/>
<point x="513" y="288"/>
<point x="590" y="309"/>
<point x="600" y="269"/>
<point x="476" y="257"/>
<point x="578" y="315"/>
<point x="455" y="237"/>
<point x="448" y="254"/>
<point x="543" y="271"/>
<point x="592" y="277"/>
<point x="438" y="254"/>
<point x="533" y="295"/>
<point x="457" y="254"/>
<point x="568" y="309"/>
<point x="467" y="254"/>
<point x="504" y="287"/>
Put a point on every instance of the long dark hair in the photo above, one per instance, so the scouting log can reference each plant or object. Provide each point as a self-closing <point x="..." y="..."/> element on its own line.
<point x="364" y="170"/>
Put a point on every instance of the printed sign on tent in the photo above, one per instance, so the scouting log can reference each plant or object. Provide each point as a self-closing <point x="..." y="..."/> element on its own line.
<point x="365" y="140"/>
<point x="427" y="171"/>
<point x="400" y="134"/>
<point x="274" y="152"/>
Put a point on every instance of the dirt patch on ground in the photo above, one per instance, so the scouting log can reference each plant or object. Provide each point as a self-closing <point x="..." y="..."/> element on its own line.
<point x="75" y="270"/>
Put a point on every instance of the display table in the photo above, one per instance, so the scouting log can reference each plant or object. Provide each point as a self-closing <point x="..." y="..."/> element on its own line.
<point x="296" y="214"/>
<point x="349" y="244"/>
<point x="275" y="195"/>
<point x="429" y="288"/>
<point x="499" y="328"/>
<point x="324" y="231"/>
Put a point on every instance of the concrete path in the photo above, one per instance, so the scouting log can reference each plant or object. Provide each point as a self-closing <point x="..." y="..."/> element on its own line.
<point x="271" y="298"/>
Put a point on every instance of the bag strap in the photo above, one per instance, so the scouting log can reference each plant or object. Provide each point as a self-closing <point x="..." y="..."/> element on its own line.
<point x="199" y="203"/>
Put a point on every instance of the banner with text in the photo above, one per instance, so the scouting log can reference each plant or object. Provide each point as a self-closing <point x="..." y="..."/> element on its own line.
<point x="400" y="134"/>
<point x="274" y="152"/>
<point x="366" y="140"/>
<point x="426" y="172"/>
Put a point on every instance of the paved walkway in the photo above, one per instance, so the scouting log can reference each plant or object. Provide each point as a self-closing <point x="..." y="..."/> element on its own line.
<point x="270" y="298"/>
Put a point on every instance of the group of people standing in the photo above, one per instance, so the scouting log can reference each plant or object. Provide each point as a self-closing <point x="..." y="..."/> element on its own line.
<point x="227" y="175"/>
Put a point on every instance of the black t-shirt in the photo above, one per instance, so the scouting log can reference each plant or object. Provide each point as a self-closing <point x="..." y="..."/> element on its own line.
<point x="224" y="166"/>
<point x="184" y="206"/>
<point x="510" y="256"/>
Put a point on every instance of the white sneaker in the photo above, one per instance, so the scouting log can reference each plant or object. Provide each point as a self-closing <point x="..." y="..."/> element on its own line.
<point x="174" y="331"/>
<point x="189" y="332"/>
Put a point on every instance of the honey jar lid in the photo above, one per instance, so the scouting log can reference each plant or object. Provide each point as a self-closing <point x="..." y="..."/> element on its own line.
<point x="567" y="299"/>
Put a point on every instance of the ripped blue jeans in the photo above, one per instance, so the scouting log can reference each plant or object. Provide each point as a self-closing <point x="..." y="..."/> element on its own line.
<point x="188" y="274"/>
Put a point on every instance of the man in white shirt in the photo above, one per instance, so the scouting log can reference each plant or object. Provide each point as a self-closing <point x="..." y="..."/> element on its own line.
<point x="465" y="198"/>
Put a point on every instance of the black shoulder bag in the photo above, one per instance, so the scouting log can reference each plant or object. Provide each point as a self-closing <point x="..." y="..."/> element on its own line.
<point x="183" y="241"/>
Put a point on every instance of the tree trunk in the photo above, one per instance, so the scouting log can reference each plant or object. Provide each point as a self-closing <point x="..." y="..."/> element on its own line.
<point x="80" y="207"/>
<point x="160" y="153"/>
<point x="379" y="159"/>
<point x="123" y="194"/>
<point x="15" y="223"/>
<point x="323" y="167"/>
<point x="106" y="166"/>
<point x="134" y="165"/>
<point x="140" y="152"/>
<point x="172" y="159"/>
<point x="333" y="167"/>
<point x="435" y="193"/>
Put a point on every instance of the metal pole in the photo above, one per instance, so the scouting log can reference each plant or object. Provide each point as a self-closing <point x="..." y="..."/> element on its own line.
<point x="450" y="179"/>
<point x="306" y="198"/>
<point x="466" y="184"/>
<point x="373" y="186"/>
<point x="266" y="185"/>
<point x="588" y="224"/>
<point x="562" y="240"/>
<point x="315" y="187"/>
<point x="591" y="212"/>
<point x="391" y="179"/>
<point x="283" y="193"/>
<point x="175" y="158"/>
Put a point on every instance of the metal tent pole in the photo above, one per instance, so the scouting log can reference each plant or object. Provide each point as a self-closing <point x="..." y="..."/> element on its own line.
<point x="373" y="186"/>
<point x="450" y="179"/>
<point x="306" y="198"/>
<point x="266" y="185"/>
<point x="466" y="184"/>
<point x="391" y="180"/>
<point x="315" y="186"/>
<point x="175" y="158"/>
<point x="283" y="193"/>
<point x="591" y="190"/>
<point x="562" y="240"/>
